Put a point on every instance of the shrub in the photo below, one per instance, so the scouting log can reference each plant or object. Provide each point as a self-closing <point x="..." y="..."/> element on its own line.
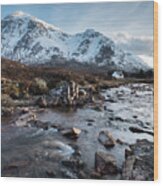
<point x="38" y="87"/>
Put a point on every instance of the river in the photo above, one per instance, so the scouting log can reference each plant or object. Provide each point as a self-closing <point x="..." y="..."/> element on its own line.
<point x="34" y="152"/>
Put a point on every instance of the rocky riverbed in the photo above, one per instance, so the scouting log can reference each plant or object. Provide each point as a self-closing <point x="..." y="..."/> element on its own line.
<point x="109" y="139"/>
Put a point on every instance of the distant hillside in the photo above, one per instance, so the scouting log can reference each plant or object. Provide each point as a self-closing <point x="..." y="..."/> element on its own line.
<point x="32" y="41"/>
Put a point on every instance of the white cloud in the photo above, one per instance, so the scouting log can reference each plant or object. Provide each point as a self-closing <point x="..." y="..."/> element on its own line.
<point x="139" y="45"/>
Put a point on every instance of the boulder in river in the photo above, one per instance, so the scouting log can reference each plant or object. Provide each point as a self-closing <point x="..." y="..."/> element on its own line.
<point x="98" y="108"/>
<point x="106" y="138"/>
<point x="23" y="120"/>
<point x="119" y="141"/>
<point x="139" y="163"/>
<point x="139" y="130"/>
<point x="41" y="102"/>
<point x="73" y="163"/>
<point x="71" y="132"/>
<point x="105" y="163"/>
<point x="24" y="110"/>
<point x="128" y="167"/>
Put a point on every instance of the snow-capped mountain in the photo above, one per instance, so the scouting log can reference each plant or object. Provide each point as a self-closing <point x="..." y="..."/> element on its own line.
<point x="30" y="40"/>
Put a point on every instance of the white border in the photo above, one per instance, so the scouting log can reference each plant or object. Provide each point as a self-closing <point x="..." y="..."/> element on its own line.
<point x="59" y="182"/>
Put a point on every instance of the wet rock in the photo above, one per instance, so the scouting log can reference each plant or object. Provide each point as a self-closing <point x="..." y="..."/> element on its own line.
<point x="90" y="120"/>
<point x="111" y="100"/>
<point x="96" y="175"/>
<point x="128" y="152"/>
<point x="51" y="173"/>
<point x="111" y="118"/>
<point x="139" y="163"/>
<point x="42" y="125"/>
<point x="24" y="119"/>
<point x="112" y="177"/>
<point x="73" y="163"/>
<point x="107" y="100"/>
<point x="119" y="141"/>
<point x="98" y="108"/>
<point x="148" y="123"/>
<point x="53" y="125"/>
<point x="139" y="123"/>
<point x="16" y="164"/>
<point x="68" y="174"/>
<point x="12" y="168"/>
<point x="135" y="116"/>
<point x="106" y="139"/>
<point x="122" y="99"/>
<point x="56" y="92"/>
<point x="128" y="167"/>
<point x="89" y="124"/>
<point x="82" y="92"/>
<point x="25" y="110"/>
<point x="54" y="101"/>
<point x="139" y="130"/>
<point x="107" y="109"/>
<point x="78" y="153"/>
<point x="67" y="93"/>
<point x="105" y="163"/>
<point x="39" y="124"/>
<point x="71" y="132"/>
<point x="119" y="119"/>
<point x="41" y="102"/>
<point x="133" y="91"/>
<point x="83" y="175"/>
<point x="108" y="96"/>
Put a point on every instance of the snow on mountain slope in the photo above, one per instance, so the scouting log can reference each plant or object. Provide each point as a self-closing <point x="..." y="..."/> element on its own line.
<point x="33" y="41"/>
<point x="29" y="39"/>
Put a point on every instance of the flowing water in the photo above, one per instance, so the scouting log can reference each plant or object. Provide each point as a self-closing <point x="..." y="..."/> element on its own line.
<point x="29" y="151"/>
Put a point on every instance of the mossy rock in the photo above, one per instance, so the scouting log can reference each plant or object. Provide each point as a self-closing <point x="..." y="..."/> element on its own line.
<point x="38" y="87"/>
<point x="14" y="92"/>
<point x="6" y="100"/>
<point x="11" y="89"/>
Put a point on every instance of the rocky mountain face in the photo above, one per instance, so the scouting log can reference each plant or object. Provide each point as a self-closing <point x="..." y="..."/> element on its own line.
<point x="32" y="41"/>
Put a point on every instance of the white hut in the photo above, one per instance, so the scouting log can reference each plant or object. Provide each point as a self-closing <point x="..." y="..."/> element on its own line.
<point x="117" y="75"/>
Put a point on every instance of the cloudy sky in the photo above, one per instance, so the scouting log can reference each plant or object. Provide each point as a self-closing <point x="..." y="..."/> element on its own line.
<point x="130" y="24"/>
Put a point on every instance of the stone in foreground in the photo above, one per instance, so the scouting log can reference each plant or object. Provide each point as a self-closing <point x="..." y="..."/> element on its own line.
<point x="105" y="163"/>
<point x="106" y="139"/>
<point x="71" y="132"/>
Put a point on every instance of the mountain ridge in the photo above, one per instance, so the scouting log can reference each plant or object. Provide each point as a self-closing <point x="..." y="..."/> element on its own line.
<point x="30" y="40"/>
